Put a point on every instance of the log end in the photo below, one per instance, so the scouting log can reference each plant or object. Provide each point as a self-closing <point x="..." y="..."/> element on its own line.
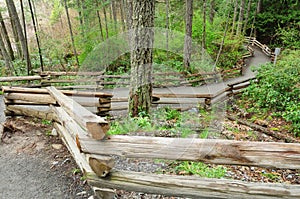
<point x="97" y="130"/>
<point x="101" y="165"/>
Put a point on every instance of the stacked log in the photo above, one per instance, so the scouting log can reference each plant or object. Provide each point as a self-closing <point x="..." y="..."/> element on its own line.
<point x="17" y="97"/>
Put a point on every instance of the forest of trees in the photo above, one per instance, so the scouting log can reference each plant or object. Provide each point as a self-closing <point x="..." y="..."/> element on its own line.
<point x="38" y="35"/>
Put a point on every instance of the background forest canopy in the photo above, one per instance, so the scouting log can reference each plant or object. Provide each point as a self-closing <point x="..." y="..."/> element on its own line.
<point x="60" y="34"/>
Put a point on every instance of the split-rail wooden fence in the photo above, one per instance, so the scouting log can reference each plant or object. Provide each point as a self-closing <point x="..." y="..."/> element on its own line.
<point x="84" y="133"/>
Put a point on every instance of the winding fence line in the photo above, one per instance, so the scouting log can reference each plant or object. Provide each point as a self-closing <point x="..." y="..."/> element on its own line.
<point x="84" y="133"/>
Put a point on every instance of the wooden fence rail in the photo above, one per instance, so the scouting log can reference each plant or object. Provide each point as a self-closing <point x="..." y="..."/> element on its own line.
<point x="84" y="135"/>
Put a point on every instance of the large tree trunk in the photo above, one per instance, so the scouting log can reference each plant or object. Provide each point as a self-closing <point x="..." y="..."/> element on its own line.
<point x="188" y="34"/>
<point x="6" y="38"/>
<point x="247" y="17"/>
<point x="14" y="15"/>
<point x="36" y="35"/>
<point x="142" y="38"/>
<point x="71" y="32"/>
<point x="241" y="18"/>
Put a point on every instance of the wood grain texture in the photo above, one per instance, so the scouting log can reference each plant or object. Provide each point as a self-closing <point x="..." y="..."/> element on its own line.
<point x="194" y="187"/>
<point x="263" y="154"/>
<point x="96" y="126"/>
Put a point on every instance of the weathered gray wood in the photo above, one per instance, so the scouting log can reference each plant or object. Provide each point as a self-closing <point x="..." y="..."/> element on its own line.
<point x="19" y="78"/>
<point x="27" y="111"/>
<point x="79" y="157"/>
<point x="7" y="89"/>
<point x="36" y="98"/>
<point x="172" y="95"/>
<point x="194" y="187"/>
<point x="101" y="165"/>
<point x="263" y="154"/>
<point x="95" y="125"/>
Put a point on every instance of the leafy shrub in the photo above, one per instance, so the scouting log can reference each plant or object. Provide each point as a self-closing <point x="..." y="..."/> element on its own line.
<point x="278" y="89"/>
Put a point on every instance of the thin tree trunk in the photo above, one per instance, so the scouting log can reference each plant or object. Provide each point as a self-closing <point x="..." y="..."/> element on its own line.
<point x="122" y="15"/>
<point x="247" y="17"/>
<point x="241" y="18"/>
<point x="204" y="28"/>
<point x="129" y="13"/>
<point x="36" y="35"/>
<point x="236" y="3"/>
<point x="188" y="34"/>
<point x="142" y="39"/>
<point x="6" y="38"/>
<point x="13" y="11"/>
<point x="6" y="57"/>
<point x="71" y="32"/>
<point x="35" y="16"/>
<point x="258" y="10"/>
<point x="114" y="14"/>
<point x="167" y="26"/>
<point x="223" y="40"/>
<point x="80" y="17"/>
<point x="212" y="11"/>
<point x="16" y="37"/>
<point x="105" y="19"/>
<point x="99" y="20"/>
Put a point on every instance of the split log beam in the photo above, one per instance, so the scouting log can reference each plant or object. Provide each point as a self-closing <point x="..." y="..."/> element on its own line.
<point x="262" y="154"/>
<point x="36" y="98"/>
<point x="95" y="125"/>
<point x="19" y="78"/>
<point x="194" y="187"/>
<point x="7" y="89"/>
<point x="31" y="112"/>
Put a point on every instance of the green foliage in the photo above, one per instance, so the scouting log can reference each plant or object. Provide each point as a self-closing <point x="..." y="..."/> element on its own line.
<point x="278" y="89"/>
<point x="46" y="122"/>
<point x="201" y="169"/>
<point x="56" y="11"/>
<point x="130" y="125"/>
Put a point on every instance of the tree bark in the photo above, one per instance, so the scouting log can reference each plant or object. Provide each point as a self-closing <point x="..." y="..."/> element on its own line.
<point x="241" y="18"/>
<point x="6" y="38"/>
<point x="204" y="28"/>
<point x="188" y="34"/>
<point x="167" y="25"/>
<point x="212" y="11"/>
<point x="14" y="15"/>
<point x="99" y="20"/>
<point x="105" y="19"/>
<point x="114" y="14"/>
<point x="71" y="32"/>
<point x="142" y="38"/>
<point x="36" y="34"/>
<point x="80" y="17"/>
<point x="128" y="14"/>
<point x="122" y="15"/>
<point x="6" y="57"/>
<point x="234" y="16"/>
<point x="247" y="16"/>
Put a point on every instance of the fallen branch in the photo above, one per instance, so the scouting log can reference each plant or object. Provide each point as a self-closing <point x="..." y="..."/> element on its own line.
<point x="264" y="130"/>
